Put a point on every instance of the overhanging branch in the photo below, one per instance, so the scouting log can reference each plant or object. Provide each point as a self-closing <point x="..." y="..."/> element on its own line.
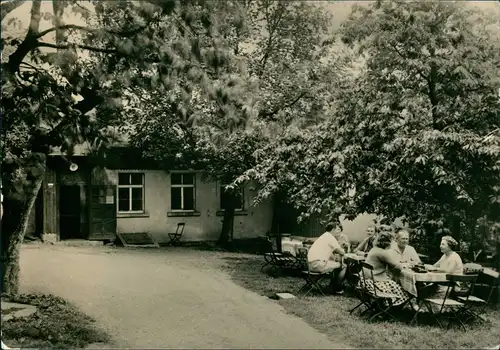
<point x="263" y="114"/>
<point x="127" y="33"/>
<point x="83" y="47"/>
<point x="10" y="6"/>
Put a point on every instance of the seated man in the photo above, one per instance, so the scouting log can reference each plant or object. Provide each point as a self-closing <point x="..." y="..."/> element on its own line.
<point x="321" y="258"/>
<point x="367" y="244"/>
<point x="405" y="253"/>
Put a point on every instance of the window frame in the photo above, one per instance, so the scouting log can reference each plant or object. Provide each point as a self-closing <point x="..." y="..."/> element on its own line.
<point x="182" y="186"/>
<point x="242" y="205"/>
<point x="130" y="187"/>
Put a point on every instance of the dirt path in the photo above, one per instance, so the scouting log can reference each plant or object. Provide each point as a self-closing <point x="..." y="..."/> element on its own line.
<point x="164" y="299"/>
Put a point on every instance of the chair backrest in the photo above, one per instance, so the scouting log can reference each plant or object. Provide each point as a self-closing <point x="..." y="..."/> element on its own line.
<point x="301" y="255"/>
<point x="180" y="226"/>
<point x="465" y="282"/>
<point x="364" y="285"/>
<point x="461" y="278"/>
<point x="493" y="283"/>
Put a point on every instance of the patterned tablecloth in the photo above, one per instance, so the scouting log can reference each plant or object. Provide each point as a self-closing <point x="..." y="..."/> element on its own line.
<point x="408" y="279"/>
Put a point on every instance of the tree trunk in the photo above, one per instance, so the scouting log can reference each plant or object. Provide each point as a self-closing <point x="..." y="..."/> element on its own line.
<point x="226" y="235"/>
<point x="10" y="276"/>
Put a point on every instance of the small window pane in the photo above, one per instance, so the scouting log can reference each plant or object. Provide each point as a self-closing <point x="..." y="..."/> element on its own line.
<point x="137" y="199"/>
<point x="176" y="179"/>
<point x="123" y="199"/>
<point x="175" y="198"/>
<point x="188" y="179"/>
<point x="123" y="179"/>
<point x="188" y="198"/>
<point x="136" y="179"/>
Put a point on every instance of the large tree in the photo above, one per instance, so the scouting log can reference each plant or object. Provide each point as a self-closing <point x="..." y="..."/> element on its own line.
<point x="281" y="52"/>
<point x="415" y="133"/>
<point x="70" y="95"/>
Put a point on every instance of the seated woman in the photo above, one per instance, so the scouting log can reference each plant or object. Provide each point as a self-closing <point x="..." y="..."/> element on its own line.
<point x="450" y="263"/>
<point x="382" y="259"/>
<point x="367" y="244"/>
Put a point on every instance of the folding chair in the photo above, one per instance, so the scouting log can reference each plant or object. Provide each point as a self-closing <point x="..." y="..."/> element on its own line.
<point x="477" y="306"/>
<point x="449" y="308"/>
<point x="313" y="279"/>
<point x="175" y="237"/>
<point x="380" y="302"/>
<point x="353" y="276"/>
<point x="363" y="295"/>
<point x="277" y="260"/>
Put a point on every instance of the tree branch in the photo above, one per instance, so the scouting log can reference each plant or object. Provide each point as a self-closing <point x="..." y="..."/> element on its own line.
<point x="10" y="6"/>
<point x="263" y="114"/>
<point x="83" y="47"/>
<point x="127" y="33"/>
<point x="29" y="65"/>
<point x="271" y="28"/>
<point x="425" y="77"/>
<point x="29" y="41"/>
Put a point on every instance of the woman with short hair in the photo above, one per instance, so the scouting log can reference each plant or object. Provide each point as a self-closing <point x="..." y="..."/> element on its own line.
<point x="382" y="260"/>
<point x="450" y="261"/>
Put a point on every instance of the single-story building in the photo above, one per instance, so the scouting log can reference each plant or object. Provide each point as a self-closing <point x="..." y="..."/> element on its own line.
<point x="126" y="194"/>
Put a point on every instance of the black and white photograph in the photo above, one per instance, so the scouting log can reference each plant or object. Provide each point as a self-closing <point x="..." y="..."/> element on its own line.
<point x="250" y="174"/>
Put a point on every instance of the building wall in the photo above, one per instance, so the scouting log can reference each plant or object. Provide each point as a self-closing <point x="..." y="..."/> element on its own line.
<point x="204" y="224"/>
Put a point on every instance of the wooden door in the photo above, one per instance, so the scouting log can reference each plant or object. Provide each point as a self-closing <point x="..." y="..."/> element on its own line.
<point x="102" y="212"/>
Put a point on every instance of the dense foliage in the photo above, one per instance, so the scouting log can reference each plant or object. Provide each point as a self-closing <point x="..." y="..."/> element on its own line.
<point x="280" y="80"/>
<point x="415" y="134"/>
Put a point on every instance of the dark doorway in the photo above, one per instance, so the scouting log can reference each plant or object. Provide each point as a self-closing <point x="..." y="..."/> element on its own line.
<point x="284" y="216"/>
<point x="69" y="212"/>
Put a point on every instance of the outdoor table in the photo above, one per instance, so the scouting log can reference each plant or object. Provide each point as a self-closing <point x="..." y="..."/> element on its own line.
<point x="409" y="278"/>
<point x="353" y="262"/>
<point x="291" y="246"/>
<point x="491" y="272"/>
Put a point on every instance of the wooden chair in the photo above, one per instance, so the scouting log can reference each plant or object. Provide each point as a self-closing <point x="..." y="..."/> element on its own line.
<point x="277" y="261"/>
<point x="478" y="305"/>
<point x="313" y="280"/>
<point x="380" y="303"/>
<point x="449" y="308"/>
<point x="175" y="237"/>
<point x="362" y="293"/>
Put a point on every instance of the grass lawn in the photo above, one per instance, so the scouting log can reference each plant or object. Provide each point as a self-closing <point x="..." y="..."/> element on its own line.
<point x="56" y="324"/>
<point x="330" y="315"/>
